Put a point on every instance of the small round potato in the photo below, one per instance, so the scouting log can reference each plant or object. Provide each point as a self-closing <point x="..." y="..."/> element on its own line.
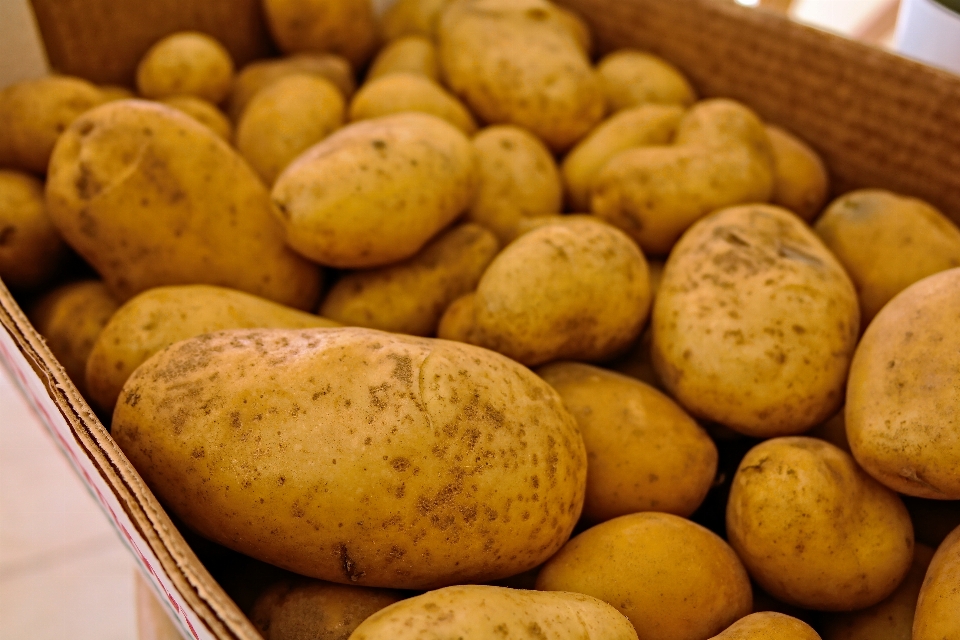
<point x="814" y="530"/>
<point x="31" y="249"/>
<point x="801" y="182"/>
<point x="400" y="92"/>
<point x="644" y="453"/>
<point x="938" y="607"/>
<point x="344" y="27"/>
<point x="186" y="63"/>
<point x="768" y="625"/>
<point x="632" y="78"/>
<point x="203" y="112"/>
<point x="686" y="584"/>
<point x="285" y="119"/>
<point x="409" y="54"/>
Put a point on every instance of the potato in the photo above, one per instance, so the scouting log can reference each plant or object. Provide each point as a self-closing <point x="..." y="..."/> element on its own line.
<point x="157" y="318"/>
<point x="70" y="318"/>
<point x="30" y="246"/>
<point x="755" y="323"/>
<point x="35" y="112"/>
<point x="312" y="610"/>
<point x="347" y="201"/>
<point x="151" y="197"/>
<point x="632" y="78"/>
<point x="768" y="626"/>
<point x="404" y="91"/>
<point x="111" y="92"/>
<point x="186" y="63"/>
<point x="518" y="179"/>
<point x="409" y="54"/>
<point x="642" y="126"/>
<point x="517" y="62"/>
<point x="938" y="608"/>
<point x="902" y="405"/>
<point x="410" y="297"/>
<point x="577" y="27"/>
<point x="457" y="322"/>
<point x="890" y="619"/>
<point x="643" y="452"/>
<point x="800" y="182"/>
<point x="357" y="456"/>
<point x="886" y="242"/>
<point x="813" y="529"/>
<point x="721" y="156"/>
<point x="413" y="18"/>
<point x="262" y="73"/>
<point x="344" y="27"/>
<point x="489" y="613"/>
<point x="575" y="290"/>
<point x="203" y="112"/>
<point x="285" y="119"/>
<point x="687" y="584"/>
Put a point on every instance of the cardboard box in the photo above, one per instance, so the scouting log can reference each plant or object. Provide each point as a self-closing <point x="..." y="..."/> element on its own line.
<point x="877" y="119"/>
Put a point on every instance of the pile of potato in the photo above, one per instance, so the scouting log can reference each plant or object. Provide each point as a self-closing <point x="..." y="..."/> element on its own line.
<point x="277" y="250"/>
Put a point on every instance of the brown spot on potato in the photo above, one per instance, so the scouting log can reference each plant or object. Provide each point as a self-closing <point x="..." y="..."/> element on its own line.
<point x="348" y="565"/>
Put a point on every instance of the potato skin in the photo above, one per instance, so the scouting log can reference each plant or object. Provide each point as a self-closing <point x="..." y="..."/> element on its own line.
<point x="346" y="202"/>
<point x="405" y="91"/>
<point x="814" y="530"/>
<point x="203" y="112"/>
<point x="457" y="322"/>
<point x="344" y="27"/>
<point x="902" y="405"/>
<point x="186" y="63"/>
<point x="644" y="453"/>
<point x="157" y="318"/>
<point x="409" y="54"/>
<point x="938" y="608"/>
<point x="30" y="246"/>
<point x="633" y="78"/>
<point x="382" y="460"/>
<point x="413" y="18"/>
<point x="768" y="625"/>
<point x="150" y="197"/>
<point x="801" y="182"/>
<point x="483" y="612"/>
<point x="686" y="585"/>
<point x="767" y="351"/>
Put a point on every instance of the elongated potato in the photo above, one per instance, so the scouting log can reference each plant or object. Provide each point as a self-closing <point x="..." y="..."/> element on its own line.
<point x="186" y="63"/>
<point x="938" y="608"/>
<point x="357" y="456"/>
<point x="768" y="625"/>
<point x="30" y="246"/>
<point x="633" y="78"/>
<point x="157" y="318"/>
<point x="344" y="27"/>
<point x="405" y="91"/>
<point x="409" y="54"/>
<point x="801" y="182"/>
<point x="490" y="613"/>
<point x="151" y="197"/>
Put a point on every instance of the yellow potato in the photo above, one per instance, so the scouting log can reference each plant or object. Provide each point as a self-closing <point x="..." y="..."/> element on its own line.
<point x="721" y="157"/>
<point x="344" y="27"/>
<point x="526" y="225"/>
<point x="157" y="318"/>
<point x="644" y="453"/>
<point x="413" y="18"/>
<point x="203" y="112"/>
<point x="484" y="612"/>
<point x="886" y="242"/>
<point x="801" y="182"/>
<point x="357" y="456"/>
<point x="768" y="626"/>
<point x="902" y="403"/>
<point x="112" y="92"/>
<point x="579" y="29"/>
<point x="285" y="119"/>
<point x="938" y="608"/>
<point x="375" y="192"/>
<point x="151" y="197"/>
<point x="409" y="54"/>
<point x="755" y="323"/>
<point x="632" y="78"/>
<point x="814" y="530"/>
<point x="411" y="296"/>
<point x="30" y="246"/>
<point x="643" y="126"/>
<point x="405" y="91"/>
<point x="686" y="584"/>
<point x="458" y="321"/>
<point x="186" y="63"/>
<point x="518" y="179"/>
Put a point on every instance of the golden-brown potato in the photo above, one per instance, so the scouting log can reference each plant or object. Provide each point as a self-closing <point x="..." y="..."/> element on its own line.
<point x="755" y="323"/>
<point x="526" y="225"/>
<point x="800" y="182"/>
<point x="517" y="62"/>
<point x="151" y="197"/>
<point x="632" y="78"/>
<point x="886" y="242"/>
<point x="344" y="27"/>
<point x="458" y="321"/>
<point x="768" y="625"/>
<point x="813" y="529"/>
<point x="938" y="608"/>
<point x="413" y="18"/>
<point x="411" y="296"/>
<point x="687" y="584"/>
<point x="577" y="27"/>
<point x="405" y="91"/>
<point x="482" y="612"/>
<point x="313" y="610"/>
<point x="644" y="453"/>
<point x="186" y="63"/>
<point x="203" y="112"/>
<point x="574" y="290"/>
<point x="375" y="192"/>
<point x="902" y="403"/>
<point x="409" y="54"/>
<point x="30" y="246"/>
<point x="518" y="179"/>
<point x="35" y="112"/>
<point x="112" y="92"/>
<point x="157" y="318"/>
<point x="285" y="119"/>
<point x="721" y="157"/>
<point x="357" y="456"/>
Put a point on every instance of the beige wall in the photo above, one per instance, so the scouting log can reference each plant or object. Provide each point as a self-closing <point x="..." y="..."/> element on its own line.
<point x="21" y="54"/>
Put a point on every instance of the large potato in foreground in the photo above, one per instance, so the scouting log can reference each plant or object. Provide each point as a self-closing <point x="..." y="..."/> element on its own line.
<point x="357" y="456"/>
<point x="768" y="625"/>
<point x="938" y="609"/>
